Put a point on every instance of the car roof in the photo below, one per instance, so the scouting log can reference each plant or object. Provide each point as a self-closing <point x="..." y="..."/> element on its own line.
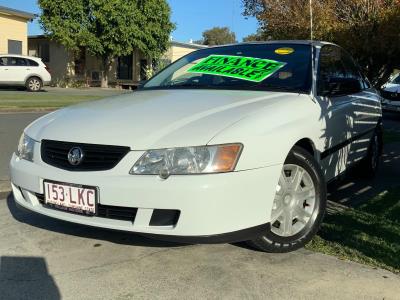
<point x="21" y="56"/>
<point x="294" y="42"/>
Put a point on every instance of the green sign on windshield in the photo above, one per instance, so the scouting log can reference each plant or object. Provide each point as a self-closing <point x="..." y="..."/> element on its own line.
<point x="246" y="68"/>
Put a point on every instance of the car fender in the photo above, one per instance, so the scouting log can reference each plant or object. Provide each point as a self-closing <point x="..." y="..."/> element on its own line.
<point x="33" y="75"/>
<point x="270" y="134"/>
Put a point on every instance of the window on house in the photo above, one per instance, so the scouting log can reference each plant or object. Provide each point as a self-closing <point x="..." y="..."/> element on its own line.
<point x="125" y="66"/>
<point x="14" y="47"/>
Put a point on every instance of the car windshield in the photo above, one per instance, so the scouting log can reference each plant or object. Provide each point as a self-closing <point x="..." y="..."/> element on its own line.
<point x="266" y="67"/>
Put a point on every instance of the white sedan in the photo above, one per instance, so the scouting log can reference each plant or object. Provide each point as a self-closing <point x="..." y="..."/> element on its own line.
<point x="231" y="143"/>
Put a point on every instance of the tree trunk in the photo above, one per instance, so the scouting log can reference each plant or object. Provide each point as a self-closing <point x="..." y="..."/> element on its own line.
<point x="106" y="64"/>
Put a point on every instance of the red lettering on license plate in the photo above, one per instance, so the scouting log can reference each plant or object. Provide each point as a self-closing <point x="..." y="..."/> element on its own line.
<point x="70" y="197"/>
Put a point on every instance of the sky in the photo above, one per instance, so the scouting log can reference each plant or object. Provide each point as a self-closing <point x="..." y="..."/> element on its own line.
<point x="191" y="17"/>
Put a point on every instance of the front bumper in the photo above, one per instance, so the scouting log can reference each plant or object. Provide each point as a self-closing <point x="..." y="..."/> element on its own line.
<point x="213" y="208"/>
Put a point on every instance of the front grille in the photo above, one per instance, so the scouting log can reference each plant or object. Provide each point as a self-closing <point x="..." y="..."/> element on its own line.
<point x="116" y="212"/>
<point x="107" y="211"/>
<point x="95" y="157"/>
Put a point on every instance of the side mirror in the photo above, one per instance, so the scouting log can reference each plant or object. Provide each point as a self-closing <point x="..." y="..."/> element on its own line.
<point x="337" y="86"/>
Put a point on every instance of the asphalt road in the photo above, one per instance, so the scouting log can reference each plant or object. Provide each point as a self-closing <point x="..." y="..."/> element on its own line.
<point x="42" y="258"/>
<point x="11" y="127"/>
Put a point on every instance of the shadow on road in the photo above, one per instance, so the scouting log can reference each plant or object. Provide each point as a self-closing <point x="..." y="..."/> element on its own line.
<point x="47" y="223"/>
<point x="354" y="190"/>
<point x="26" y="278"/>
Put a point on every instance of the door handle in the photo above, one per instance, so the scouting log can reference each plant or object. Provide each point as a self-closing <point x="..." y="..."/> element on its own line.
<point x="28" y="69"/>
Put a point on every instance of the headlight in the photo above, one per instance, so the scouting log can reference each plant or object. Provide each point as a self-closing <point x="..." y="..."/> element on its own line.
<point x="25" y="147"/>
<point x="188" y="160"/>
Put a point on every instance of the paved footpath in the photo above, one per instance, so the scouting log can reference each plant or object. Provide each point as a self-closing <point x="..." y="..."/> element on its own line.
<point x="42" y="258"/>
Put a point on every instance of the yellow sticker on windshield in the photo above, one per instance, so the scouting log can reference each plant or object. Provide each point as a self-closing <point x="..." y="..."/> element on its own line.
<point x="284" y="51"/>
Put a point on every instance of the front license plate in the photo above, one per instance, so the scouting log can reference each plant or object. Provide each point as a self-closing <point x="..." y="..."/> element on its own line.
<point x="71" y="197"/>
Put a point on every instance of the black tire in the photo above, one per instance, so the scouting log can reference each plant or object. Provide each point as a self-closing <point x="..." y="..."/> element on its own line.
<point x="34" y="84"/>
<point x="271" y="242"/>
<point x="370" y="164"/>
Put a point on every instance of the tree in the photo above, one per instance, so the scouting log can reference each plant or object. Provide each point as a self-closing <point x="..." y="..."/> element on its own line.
<point x="108" y="28"/>
<point x="218" y="36"/>
<point x="256" y="37"/>
<point x="366" y="28"/>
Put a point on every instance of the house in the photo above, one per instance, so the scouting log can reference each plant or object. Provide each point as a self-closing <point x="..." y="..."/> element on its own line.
<point x="14" y="30"/>
<point x="82" y="68"/>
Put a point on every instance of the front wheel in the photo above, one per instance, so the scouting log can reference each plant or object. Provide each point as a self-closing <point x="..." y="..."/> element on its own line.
<point x="298" y="207"/>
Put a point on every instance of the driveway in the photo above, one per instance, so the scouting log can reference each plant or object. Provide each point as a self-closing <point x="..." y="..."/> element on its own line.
<point x="42" y="258"/>
<point x="355" y="189"/>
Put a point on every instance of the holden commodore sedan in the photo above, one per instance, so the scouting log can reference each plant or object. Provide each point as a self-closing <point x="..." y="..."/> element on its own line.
<point x="231" y="143"/>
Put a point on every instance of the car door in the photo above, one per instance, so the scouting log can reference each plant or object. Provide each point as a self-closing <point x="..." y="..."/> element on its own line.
<point x="366" y="111"/>
<point x="17" y="69"/>
<point x="337" y="113"/>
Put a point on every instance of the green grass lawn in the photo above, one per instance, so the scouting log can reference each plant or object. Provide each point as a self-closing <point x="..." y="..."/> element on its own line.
<point x="10" y="100"/>
<point x="368" y="234"/>
<point x="51" y="97"/>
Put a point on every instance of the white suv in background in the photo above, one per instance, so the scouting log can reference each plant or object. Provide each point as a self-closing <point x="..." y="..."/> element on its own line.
<point x="18" y="70"/>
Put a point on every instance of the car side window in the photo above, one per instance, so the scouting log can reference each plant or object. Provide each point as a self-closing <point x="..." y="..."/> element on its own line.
<point x="337" y="74"/>
<point x="21" y="62"/>
<point x="330" y="66"/>
<point x="353" y="71"/>
<point x="16" y="61"/>
<point x="3" y="61"/>
<point x="32" y="63"/>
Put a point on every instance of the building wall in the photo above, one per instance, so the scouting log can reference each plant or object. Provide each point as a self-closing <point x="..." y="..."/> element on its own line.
<point x="13" y="28"/>
<point x="177" y="52"/>
<point x="93" y="64"/>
